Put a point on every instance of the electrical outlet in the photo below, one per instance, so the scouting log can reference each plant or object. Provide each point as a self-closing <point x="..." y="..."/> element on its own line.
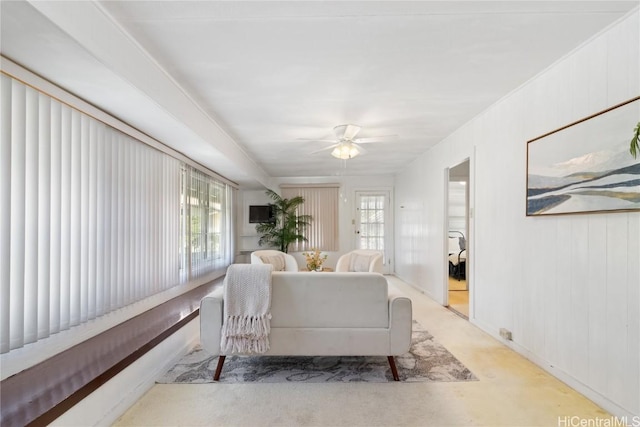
<point x="505" y="333"/>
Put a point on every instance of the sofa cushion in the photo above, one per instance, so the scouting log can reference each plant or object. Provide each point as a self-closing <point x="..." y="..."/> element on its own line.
<point x="329" y="300"/>
<point x="276" y="260"/>
<point x="359" y="263"/>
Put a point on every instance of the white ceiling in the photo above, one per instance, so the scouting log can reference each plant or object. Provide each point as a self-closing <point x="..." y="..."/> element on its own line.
<point x="235" y="85"/>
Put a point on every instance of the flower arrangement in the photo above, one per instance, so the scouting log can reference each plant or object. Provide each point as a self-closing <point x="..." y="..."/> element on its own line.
<point x="314" y="259"/>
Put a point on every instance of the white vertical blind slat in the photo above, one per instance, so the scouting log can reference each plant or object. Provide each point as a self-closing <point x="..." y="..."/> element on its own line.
<point x="92" y="212"/>
<point x="16" y="267"/>
<point x="44" y="214"/>
<point x="75" y="240"/>
<point x="156" y="206"/>
<point x="135" y="233"/>
<point x="171" y="203"/>
<point x="5" y="215"/>
<point x="128" y="222"/>
<point x="121" y="202"/>
<point x="65" y="218"/>
<point x="112" y="292"/>
<point x="101" y="219"/>
<point x="85" y="141"/>
<point x="187" y="224"/>
<point x="30" y="195"/>
<point x="55" y="217"/>
<point x="146" y="159"/>
<point x="155" y="173"/>
<point x="124" y="223"/>
<point x="143" y="249"/>
<point x="149" y="253"/>
<point x="176" y="174"/>
<point x="135" y="224"/>
<point x="164" y="239"/>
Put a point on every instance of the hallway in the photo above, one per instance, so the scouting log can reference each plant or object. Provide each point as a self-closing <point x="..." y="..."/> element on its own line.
<point x="511" y="391"/>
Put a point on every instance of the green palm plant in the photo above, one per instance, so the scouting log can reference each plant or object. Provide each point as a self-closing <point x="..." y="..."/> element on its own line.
<point x="287" y="226"/>
<point x="634" y="141"/>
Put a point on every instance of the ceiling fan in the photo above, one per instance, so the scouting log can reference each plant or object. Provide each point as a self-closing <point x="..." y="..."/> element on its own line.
<point x="347" y="146"/>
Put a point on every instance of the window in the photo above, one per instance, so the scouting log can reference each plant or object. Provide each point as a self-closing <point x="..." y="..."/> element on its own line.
<point x="205" y="224"/>
<point x="321" y="202"/>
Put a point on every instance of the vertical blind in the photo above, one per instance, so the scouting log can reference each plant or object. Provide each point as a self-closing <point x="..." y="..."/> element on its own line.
<point x="90" y="218"/>
<point x="322" y="204"/>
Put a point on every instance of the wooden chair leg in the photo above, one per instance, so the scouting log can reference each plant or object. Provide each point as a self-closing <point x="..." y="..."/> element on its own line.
<point x="216" y="376"/>
<point x="394" y="371"/>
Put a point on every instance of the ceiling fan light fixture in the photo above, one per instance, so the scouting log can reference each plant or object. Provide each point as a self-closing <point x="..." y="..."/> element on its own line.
<point x="345" y="151"/>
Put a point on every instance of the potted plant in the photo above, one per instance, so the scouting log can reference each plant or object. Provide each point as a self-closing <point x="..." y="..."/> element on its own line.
<point x="314" y="259"/>
<point x="286" y="226"/>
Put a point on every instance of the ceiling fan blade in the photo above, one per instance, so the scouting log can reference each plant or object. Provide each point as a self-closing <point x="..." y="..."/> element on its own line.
<point x="374" y="139"/>
<point x="351" y="131"/>
<point x="325" y="148"/>
<point x="347" y="132"/>
<point x="317" y="140"/>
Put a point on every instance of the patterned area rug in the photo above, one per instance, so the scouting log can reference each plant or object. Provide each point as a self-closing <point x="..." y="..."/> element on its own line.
<point x="427" y="360"/>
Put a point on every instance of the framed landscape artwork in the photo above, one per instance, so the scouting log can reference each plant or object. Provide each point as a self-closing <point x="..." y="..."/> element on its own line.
<point x="586" y="166"/>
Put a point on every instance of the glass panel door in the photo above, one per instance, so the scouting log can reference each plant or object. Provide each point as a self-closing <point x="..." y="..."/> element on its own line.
<point x="372" y="223"/>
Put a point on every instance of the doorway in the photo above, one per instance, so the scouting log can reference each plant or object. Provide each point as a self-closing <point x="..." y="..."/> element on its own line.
<point x="373" y="224"/>
<point x="457" y="239"/>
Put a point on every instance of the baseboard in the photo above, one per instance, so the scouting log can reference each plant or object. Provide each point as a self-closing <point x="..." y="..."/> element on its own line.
<point x="416" y="287"/>
<point x="596" y="397"/>
<point x="108" y="403"/>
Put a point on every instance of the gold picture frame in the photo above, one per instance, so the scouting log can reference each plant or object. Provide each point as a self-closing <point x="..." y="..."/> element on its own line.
<point x="586" y="166"/>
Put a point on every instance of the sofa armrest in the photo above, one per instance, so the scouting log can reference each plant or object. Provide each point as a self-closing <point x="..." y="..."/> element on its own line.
<point x="211" y="312"/>
<point x="400" y="324"/>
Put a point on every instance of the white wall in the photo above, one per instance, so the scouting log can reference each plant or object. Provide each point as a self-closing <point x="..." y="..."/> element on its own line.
<point x="566" y="286"/>
<point x="246" y="232"/>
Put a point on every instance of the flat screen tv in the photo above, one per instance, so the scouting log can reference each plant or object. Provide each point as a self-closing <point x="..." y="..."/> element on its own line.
<point x="260" y="213"/>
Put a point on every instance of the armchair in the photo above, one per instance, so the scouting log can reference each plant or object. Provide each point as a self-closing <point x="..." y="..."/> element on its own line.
<point x="280" y="260"/>
<point x="361" y="260"/>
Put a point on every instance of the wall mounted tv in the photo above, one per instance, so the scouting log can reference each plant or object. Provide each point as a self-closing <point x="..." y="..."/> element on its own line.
<point x="260" y="213"/>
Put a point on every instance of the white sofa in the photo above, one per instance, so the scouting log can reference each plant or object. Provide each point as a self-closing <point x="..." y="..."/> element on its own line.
<point x="324" y="314"/>
<point x="281" y="261"/>
<point x="360" y="260"/>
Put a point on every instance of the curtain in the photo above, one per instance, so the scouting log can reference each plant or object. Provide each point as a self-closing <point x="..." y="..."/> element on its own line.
<point x="89" y="218"/>
<point x="321" y="202"/>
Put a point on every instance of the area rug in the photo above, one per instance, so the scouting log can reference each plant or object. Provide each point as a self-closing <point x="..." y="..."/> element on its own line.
<point x="426" y="360"/>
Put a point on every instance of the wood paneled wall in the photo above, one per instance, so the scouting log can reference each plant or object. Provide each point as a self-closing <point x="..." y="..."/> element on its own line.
<point x="567" y="287"/>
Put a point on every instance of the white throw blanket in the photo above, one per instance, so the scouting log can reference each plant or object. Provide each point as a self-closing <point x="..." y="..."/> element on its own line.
<point x="247" y="309"/>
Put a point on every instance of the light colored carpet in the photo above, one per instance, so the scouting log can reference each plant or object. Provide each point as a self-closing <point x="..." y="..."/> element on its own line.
<point x="427" y="360"/>
<point x="511" y="391"/>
